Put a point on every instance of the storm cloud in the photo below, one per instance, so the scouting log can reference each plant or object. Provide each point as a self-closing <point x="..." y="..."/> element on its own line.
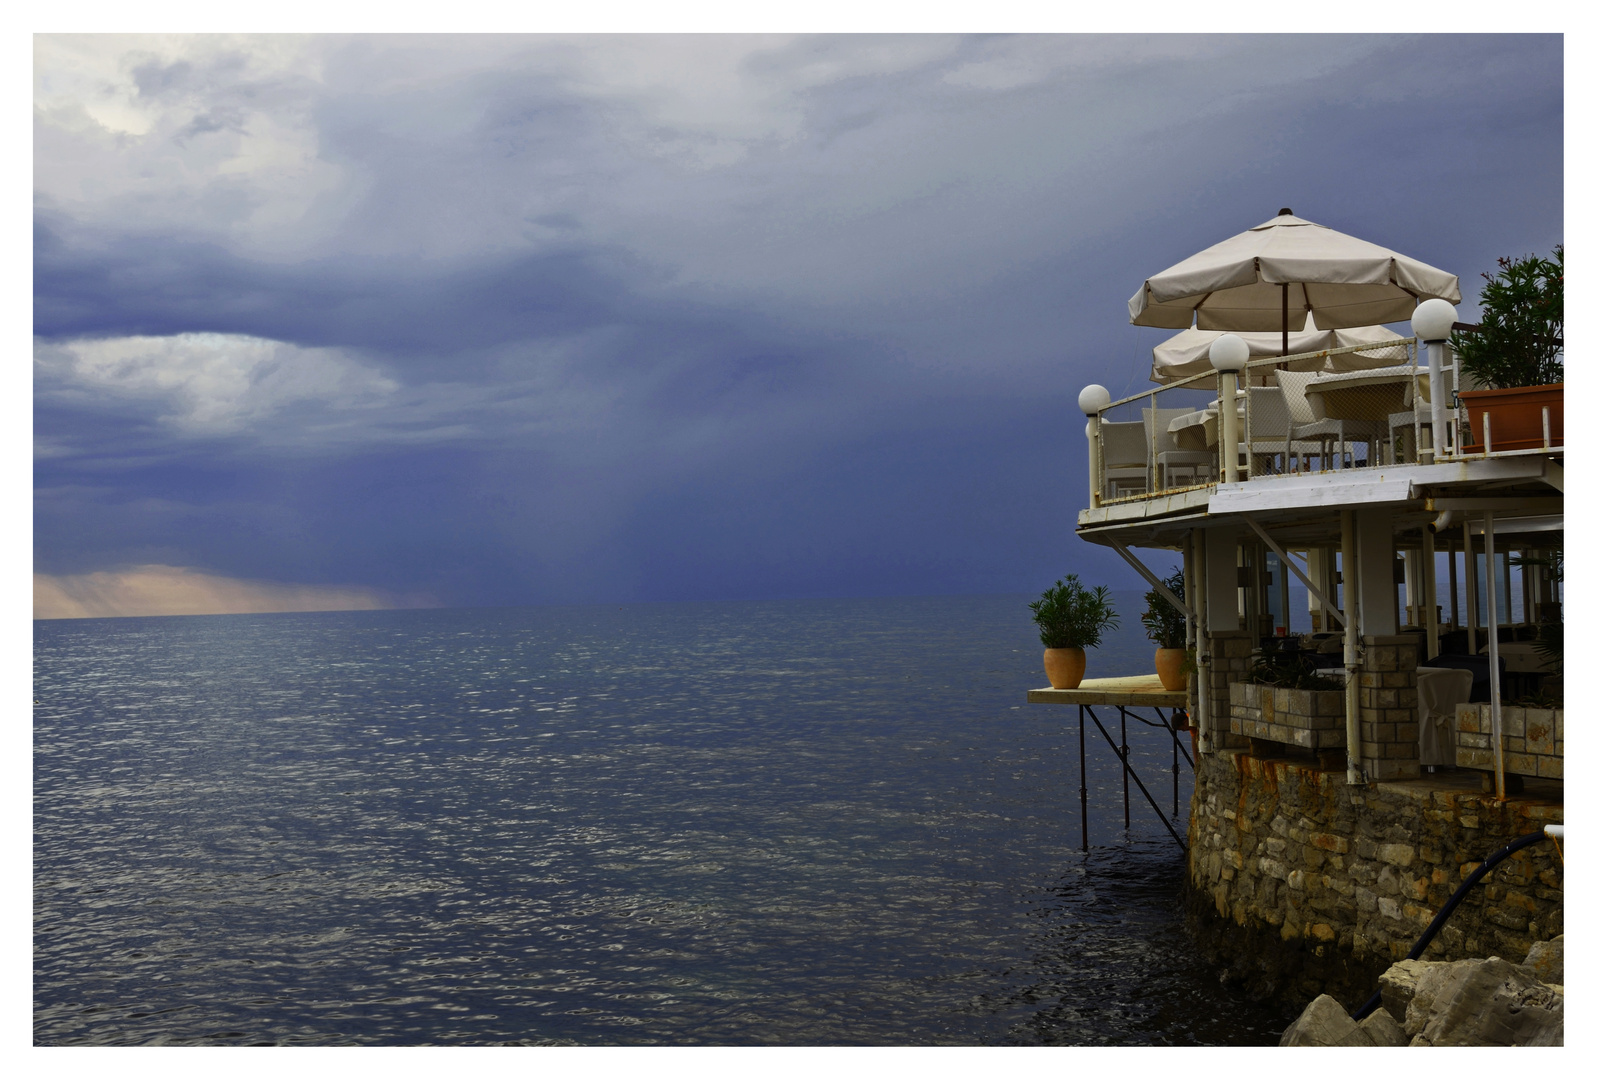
<point x="496" y="320"/>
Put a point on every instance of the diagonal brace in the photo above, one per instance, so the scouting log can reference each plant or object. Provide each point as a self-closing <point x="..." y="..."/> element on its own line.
<point x="1136" y="779"/>
<point x="1287" y="562"/>
<point x="1153" y="579"/>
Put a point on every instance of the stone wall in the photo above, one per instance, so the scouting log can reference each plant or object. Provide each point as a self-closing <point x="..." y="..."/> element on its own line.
<point x="1389" y="731"/>
<point x="1533" y="740"/>
<point x="1230" y="657"/>
<point x="1308" y="719"/>
<point x="1354" y="874"/>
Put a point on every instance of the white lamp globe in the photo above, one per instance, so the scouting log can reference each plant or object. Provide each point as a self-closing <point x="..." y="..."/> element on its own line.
<point x="1093" y="399"/>
<point x="1228" y="353"/>
<point x="1433" y="320"/>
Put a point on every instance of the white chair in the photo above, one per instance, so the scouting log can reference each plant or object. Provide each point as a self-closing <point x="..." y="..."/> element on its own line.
<point x="1403" y="426"/>
<point x="1268" y="430"/>
<point x="1125" y="457"/>
<point x="1324" y="432"/>
<point x="1167" y="459"/>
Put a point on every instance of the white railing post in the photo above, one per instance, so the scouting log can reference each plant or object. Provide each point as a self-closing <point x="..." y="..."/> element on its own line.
<point x="1093" y="400"/>
<point x="1228" y="354"/>
<point x="1433" y="324"/>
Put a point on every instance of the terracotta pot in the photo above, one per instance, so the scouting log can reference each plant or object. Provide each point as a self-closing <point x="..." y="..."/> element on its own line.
<point x="1168" y="663"/>
<point x="1065" y="667"/>
<point x="1516" y="417"/>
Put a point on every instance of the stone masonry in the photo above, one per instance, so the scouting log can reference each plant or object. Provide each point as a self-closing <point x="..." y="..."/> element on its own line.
<point x="1294" y="851"/>
<point x="1533" y="740"/>
<point x="1230" y="656"/>
<point x="1308" y="719"/>
<point x="1388" y="707"/>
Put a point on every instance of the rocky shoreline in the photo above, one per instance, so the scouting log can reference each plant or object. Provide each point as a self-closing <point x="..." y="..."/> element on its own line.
<point x="1474" y="1002"/>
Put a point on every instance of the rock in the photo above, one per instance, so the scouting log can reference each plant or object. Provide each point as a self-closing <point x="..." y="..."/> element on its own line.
<point x="1397" y="986"/>
<point x="1325" y="1023"/>
<point x="1546" y="959"/>
<point x="1382" y="1029"/>
<point x="1483" y="1003"/>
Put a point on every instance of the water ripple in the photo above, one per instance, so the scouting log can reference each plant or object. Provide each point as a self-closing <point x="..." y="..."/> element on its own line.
<point x="819" y="822"/>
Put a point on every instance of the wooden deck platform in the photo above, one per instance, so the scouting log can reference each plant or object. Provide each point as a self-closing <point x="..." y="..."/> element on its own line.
<point x="1127" y="690"/>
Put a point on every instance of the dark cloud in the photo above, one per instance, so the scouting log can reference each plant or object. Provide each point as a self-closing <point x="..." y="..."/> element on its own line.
<point x="806" y="321"/>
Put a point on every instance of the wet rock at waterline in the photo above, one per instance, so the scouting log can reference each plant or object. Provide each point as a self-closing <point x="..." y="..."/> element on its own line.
<point x="1463" y="1003"/>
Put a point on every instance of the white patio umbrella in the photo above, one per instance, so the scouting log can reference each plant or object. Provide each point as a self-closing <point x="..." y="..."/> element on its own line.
<point x="1187" y="353"/>
<point x="1272" y="276"/>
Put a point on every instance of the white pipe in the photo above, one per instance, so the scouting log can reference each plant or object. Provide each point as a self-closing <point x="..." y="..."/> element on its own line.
<point x="1554" y="831"/>
<point x="1443" y="520"/>
<point x="1491" y="653"/>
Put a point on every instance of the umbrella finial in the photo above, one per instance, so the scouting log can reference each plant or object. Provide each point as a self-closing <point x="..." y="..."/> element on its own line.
<point x="1286" y="211"/>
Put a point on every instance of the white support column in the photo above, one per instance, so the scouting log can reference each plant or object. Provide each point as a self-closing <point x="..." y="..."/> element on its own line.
<point x="1377" y="593"/>
<point x="1220" y="578"/>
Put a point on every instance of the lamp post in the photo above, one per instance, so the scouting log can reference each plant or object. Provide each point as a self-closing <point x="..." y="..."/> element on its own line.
<point x="1433" y="324"/>
<point x="1229" y="355"/>
<point x="1093" y="400"/>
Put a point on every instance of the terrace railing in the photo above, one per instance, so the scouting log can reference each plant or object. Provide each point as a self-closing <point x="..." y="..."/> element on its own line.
<point x="1292" y="415"/>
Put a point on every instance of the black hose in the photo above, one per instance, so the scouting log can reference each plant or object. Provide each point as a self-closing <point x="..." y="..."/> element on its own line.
<point x="1453" y="901"/>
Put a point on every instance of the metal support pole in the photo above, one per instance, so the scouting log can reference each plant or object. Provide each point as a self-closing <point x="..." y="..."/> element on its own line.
<point x="1491" y="653"/>
<point x="1135" y="778"/>
<point x="1471" y="602"/>
<point x="1175" y="763"/>
<point x="1428" y="587"/>
<point x="1125" y="788"/>
<point x="1452" y="586"/>
<point x="1081" y="751"/>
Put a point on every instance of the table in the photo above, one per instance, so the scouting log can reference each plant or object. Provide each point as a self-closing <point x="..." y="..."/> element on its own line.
<point x="1441" y="691"/>
<point x="1192" y="430"/>
<point x="1201" y="430"/>
<point x="1520" y="658"/>
<point x="1365" y="395"/>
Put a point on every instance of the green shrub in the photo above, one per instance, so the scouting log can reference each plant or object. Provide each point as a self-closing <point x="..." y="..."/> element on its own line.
<point x="1289" y="671"/>
<point x="1162" y="619"/>
<point x="1520" y="340"/>
<point x="1072" y="616"/>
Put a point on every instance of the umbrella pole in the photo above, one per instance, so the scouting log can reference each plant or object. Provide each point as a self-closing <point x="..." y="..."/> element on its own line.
<point x="1284" y="288"/>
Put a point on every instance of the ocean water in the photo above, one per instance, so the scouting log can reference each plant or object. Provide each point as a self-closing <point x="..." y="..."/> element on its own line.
<point x="798" y="822"/>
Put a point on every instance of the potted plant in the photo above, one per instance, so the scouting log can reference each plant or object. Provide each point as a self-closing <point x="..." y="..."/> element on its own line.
<point x="1517" y="351"/>
<point x="1070" y="618"/>
<point x="1168" y="628"/>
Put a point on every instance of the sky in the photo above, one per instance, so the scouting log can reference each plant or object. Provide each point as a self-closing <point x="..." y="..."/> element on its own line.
<point x="367" y="321"/>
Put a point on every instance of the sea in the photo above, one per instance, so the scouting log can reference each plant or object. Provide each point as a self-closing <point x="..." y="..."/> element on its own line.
<point x="792" y="823"/>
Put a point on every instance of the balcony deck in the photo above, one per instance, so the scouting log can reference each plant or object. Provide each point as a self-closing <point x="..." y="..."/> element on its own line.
<point x="1128" y="690"/>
